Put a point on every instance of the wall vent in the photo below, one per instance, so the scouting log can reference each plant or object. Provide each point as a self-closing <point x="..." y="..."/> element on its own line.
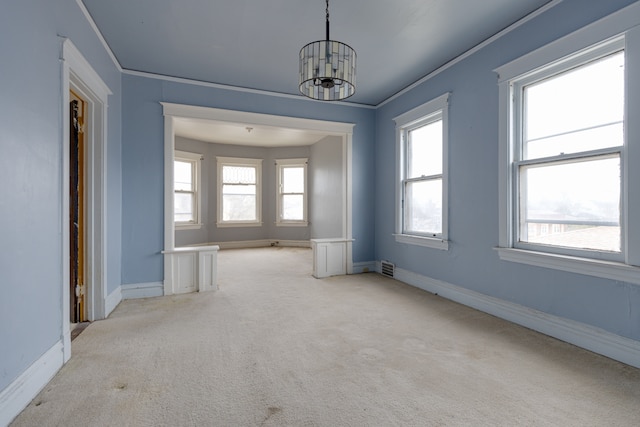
<point x="387" y="268"/>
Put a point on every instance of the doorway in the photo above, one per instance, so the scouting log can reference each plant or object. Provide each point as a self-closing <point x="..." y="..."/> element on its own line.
<point x="77" y="208"/>
<point x="175" y="113"/>
<point x="79" y="78"/>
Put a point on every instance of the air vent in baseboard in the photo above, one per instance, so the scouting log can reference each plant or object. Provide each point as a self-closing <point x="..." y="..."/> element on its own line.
<point x="387" y="268"/>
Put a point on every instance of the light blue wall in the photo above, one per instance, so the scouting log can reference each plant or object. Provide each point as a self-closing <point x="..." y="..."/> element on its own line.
<point x="471" y="261"/>
<point x="30" y="170"/>
<point x="143" y="177"/>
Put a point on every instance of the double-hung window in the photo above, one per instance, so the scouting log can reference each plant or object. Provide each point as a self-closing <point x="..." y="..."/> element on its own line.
<point x="568" y="153"/>
<point x="239" y="192"/>
<point x="421" y="211"/>
<point x="186" y="189"/>
<point x="291" y="192"/>
<point x="566" y="200"/>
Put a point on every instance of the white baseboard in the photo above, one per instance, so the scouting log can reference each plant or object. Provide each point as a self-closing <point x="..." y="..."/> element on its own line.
<point x="17" y="395"/>
<point x="588" y="337"/>
<point x="113" y="299"/>
<point x="142" y="290"/>
<point x="365" y="267"/>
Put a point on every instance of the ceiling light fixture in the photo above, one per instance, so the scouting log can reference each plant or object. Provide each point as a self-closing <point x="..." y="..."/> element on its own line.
<point x="327" y="69"/>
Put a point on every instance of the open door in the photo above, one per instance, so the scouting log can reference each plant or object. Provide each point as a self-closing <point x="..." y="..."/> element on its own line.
<point x="77" y="215"/>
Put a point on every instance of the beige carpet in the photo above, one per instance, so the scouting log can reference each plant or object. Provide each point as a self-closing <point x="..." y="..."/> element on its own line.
<point x="275" y="347"/>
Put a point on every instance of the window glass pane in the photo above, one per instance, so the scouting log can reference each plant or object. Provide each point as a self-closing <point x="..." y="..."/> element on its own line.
<point x="424" y="150"/>
<point x="293" y="180"/>
<point x="586" y="97"/>
<point x="423" y="206"/>
<point x="182" y="175"/>
<point x="292" y="207"/>
<point x="572" y="204"/>
<point x="239" y="174"/>
<point x="574" y="142"/>
<point x="183" y="204"/>
<point x="239" y="202"/>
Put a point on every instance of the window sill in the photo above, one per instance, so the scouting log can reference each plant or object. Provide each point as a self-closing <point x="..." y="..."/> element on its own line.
<point x="238" y="224"/>
<point x="187" y="226"/>
<point x="292" y="224"/>
<point x="590" y="267"/>
<point x="427" y="242"/>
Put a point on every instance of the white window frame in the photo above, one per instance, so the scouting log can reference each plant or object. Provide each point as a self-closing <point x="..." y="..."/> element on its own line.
<point x="429" y="112"/>
<point x="282" y="164"/>
<point x="619" y="30"/>
<point x="243" y="162"/>
<point x="196" y="171"/>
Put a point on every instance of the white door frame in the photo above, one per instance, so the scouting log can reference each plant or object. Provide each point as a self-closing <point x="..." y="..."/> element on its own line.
<point x="171" y="111"/>
<point x="77" y="74"/>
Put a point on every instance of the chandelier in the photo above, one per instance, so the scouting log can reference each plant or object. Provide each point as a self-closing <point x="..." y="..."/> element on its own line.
<point x="327" y="69"/>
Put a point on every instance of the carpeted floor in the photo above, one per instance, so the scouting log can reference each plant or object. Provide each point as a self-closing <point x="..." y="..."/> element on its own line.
<point x="276" y="347"/>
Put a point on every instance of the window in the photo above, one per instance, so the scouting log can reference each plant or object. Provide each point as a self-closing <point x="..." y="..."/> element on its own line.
<point x="421" y="216"/>
<point x="291" y="192"/>
<point x="239" y="192"/>
<point x="568" y="148"/>
<point x="567" y="198"/>
<point x="186" y="187"/>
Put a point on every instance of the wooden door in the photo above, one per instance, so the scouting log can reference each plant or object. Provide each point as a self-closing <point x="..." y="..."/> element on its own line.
<point x="77" y="208"/>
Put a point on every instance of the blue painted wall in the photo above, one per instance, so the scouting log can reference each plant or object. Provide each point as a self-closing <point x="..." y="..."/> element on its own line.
<point x="471" y="261"/>
<point x="30" y="170"/>
<point x="30" y="167"/>
<point x="143" y="164"/>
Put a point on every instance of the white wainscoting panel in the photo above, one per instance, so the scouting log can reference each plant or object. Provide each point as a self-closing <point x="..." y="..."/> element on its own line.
<point x="329" y="257"/>
<point x="191" y="269"/>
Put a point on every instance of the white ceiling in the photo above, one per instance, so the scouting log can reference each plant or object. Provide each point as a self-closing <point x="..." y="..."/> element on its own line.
<point x="255" y="43"/>
<point x="243" y="134"/>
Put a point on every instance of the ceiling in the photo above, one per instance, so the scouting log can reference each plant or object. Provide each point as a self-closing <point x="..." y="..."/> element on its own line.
<point x="243" y="133"/>
<point x="254" y="44"/>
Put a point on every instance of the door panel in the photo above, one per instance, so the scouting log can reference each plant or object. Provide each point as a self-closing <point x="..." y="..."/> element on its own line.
<point x="77" y="209"/>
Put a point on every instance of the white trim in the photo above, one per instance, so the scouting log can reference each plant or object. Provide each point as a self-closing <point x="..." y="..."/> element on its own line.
<point x="17" y="395"/>
<point x="221" y="162"/>
<point x="341" y="129"/>
<point x="113" y="299"/>
<point x="473" y="50"/>
<point x="142" y="290"/>
<point x="183" y="80"/>
<point x="265" y="243"/>
<point x="587" y="266"/>
<point x="427" y="242"/>
<point x="608" y="27"/>
<point x="422" y="111"/>
<point x="594" y="339"/>
<point x="436" y="109"/>
<point x="196" y="161"/>
<point x="258" y="119"/>
<point x="609" y="33"/>
<point x="77" y="74"/>
<point x="280" y="165"/>
<point x="364" y="267"/>
<point x="96" y="30"/>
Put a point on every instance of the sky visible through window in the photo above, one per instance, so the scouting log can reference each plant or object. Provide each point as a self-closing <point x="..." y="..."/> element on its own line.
<point x="574" y="112"/>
